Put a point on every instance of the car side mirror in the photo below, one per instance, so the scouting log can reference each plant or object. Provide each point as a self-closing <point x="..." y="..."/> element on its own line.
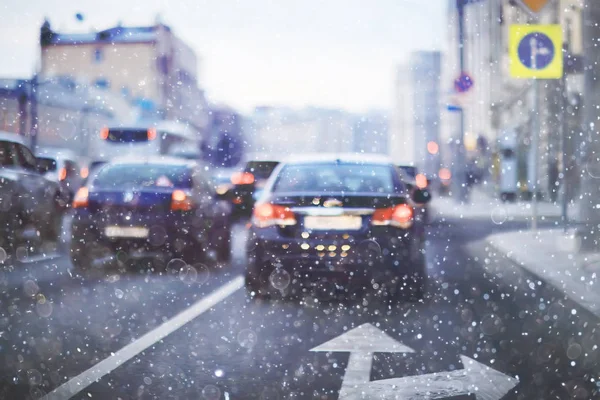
<point x="421" y="196"/>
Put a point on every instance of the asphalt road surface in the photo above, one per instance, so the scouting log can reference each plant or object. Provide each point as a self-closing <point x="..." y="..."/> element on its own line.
<point x="195" y="334"/>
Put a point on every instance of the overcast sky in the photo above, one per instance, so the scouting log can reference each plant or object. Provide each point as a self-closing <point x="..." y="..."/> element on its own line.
<point x="333" y="53"/>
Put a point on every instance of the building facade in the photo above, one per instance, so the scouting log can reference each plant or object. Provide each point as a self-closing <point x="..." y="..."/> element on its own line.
<point x="416" y="112"/>
<point x="280" y="131"/>
<point x="149" y="66"/>
<point x="498" y="105"/>
<point x="60" y="112"/>
<point x="370" y="133"/>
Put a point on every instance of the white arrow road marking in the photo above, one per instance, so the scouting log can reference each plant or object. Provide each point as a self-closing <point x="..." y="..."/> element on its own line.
<point x="361" y="342"/>
<point x="486" y="383"/>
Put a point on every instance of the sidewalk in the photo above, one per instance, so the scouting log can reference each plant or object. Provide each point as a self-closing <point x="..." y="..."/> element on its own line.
<point x="553" y="257"/>
<point x="481" y="206"/>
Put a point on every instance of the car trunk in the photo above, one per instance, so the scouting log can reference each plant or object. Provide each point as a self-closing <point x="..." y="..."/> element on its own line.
<point x="334" y="214"/>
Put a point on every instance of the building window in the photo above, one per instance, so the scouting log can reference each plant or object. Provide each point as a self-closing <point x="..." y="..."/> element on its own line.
<point x="98" y="56"/>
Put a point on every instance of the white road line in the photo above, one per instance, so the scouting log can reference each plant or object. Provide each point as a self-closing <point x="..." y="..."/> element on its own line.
<point x="86" y="378"/>
<point x="40" y="257"/>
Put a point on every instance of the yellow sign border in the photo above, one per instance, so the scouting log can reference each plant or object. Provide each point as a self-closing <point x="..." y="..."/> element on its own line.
<point x="554" y="70"/>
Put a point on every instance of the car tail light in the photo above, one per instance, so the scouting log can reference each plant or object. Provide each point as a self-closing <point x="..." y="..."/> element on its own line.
<point x="81" y="198"/>
<point x="104" y="133"/>
<point x="84" y="172"/>
<point x="267" y="214"/>
<point x="400" y="216"/>
<point x="180" y="201"/>
<point x="421" y="181"/>
<point x="62" y="174"/>
<point x="151" y="133"/>
<point x="242" y="178"/>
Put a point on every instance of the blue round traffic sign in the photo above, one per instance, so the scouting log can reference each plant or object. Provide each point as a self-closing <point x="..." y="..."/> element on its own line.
<point x="536" y="51"/>
<point x="463" y="83"/>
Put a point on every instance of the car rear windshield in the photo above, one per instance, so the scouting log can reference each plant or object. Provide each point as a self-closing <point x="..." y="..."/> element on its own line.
<point x="335" y="178"/>
<point x="46" y="164"/>
<point x="408" y="170"/>
<point x="142" y="176"/>
<point x="261" y="169"/>
<point x="127" y="135"/>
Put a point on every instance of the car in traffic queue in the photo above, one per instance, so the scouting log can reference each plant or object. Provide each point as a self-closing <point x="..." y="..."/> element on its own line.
<point x="341" y="219"/>
<point x="249" y="180"/>
<point x="61" y="166"/>
<point x="30" y="205"/>
<point x="134" y="208"/>
<point x="413" y="179"/>
<point x="221" y="181"/>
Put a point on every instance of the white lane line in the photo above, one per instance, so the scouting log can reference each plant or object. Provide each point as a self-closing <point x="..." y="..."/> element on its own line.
<point x="86" y="378"/>
<point x="40" y="257"/>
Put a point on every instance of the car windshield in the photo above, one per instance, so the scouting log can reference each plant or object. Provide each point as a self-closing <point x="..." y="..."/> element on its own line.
<point x="260" y="169"/>
<point x="8" y="155"/>
<point x="409" y="171"/>
<point x="335" y="178"/>
<point x="117" y="135"/>
<point x="300" y="199"/>
<point x="142" y="176"/>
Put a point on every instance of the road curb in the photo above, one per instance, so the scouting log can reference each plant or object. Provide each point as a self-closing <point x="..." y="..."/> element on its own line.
<point x="579" y="292"/>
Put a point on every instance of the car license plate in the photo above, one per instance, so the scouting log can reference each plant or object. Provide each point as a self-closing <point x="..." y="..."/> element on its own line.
<point x="336" y="223"/>
<point x="126" y="232"/>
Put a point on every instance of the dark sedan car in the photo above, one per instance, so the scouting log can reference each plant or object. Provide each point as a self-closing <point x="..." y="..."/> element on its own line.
<point x="336" y="219"/>
<point x="251" y="178"/>
<point x="149" y="207"/>
<point x="30" y="205"/>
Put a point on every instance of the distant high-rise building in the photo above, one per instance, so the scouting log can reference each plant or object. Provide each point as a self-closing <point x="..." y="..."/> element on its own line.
<point x="282" y="131"/>
<point x="416" y="116"/>
<point x="370" y="133"/>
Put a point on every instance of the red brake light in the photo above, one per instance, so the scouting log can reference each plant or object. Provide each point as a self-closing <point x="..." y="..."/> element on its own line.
<point x="151" y="133"/>
<point x="400" y="216"/>
<point x="62" y="174"/>
<point x="267" y="214"/>
<point x="242" y="178"/>
<point x="180" y="201"/>
<point x="104" y="133"/>
<point x="81" y="198"/>
<point x="84" y="172"/>
<point x="421" y="181"/>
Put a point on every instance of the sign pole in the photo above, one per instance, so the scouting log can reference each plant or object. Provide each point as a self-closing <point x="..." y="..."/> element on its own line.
<point x="535" y="135"/>
<point x="460" y="155"/>
<point x="535" y="52"/>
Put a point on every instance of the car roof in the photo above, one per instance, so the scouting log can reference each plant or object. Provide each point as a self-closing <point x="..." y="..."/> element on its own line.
<point x="162" y="160"/>
<point x="56" y="153"/>
<point x="358" y="158"/>
<point x="12" y="137"/>
<point x="251" y="157"/>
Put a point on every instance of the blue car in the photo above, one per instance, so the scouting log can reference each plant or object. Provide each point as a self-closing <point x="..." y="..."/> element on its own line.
<point x="158" y="208"/>
<point x="344" y="220"/>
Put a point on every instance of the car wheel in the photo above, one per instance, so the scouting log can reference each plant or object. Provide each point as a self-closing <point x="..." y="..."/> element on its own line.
<point x="224" y="249"/>
<point x="11" y="232"/>
<point x="257" y="285"/>
<point x="79" y="256"/>
<point x="418" y="280"/>
<point x="54" y="228"/>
